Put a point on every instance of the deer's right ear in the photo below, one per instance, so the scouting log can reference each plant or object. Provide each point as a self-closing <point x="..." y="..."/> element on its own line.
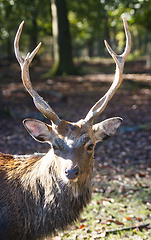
<point x="106" y="129"/>
<point x="40" y="131"/>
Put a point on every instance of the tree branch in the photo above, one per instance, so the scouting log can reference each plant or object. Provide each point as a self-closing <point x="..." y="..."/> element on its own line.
<point x="140" y="227"/>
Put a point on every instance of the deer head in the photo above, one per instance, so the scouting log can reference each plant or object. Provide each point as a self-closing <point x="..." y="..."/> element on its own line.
<point x="72" y="143"/>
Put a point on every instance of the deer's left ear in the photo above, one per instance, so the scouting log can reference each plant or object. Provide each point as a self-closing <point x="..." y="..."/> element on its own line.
<point x="106" y="129"/>
<point x="40" y="131"/>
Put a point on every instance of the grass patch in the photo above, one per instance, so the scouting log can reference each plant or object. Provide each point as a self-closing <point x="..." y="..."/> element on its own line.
<point x="121" y="200"/>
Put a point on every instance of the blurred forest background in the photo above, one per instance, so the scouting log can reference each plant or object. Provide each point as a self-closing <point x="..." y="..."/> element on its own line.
<point x="72" y="71"/>
<point x="82" y="24"/>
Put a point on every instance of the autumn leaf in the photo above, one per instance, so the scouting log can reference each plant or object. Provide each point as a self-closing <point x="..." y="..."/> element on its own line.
<point x="135" y="230"/>
<point x="82" y="226"/>
<point x="121" y="211"/>
<point x="118" y="223"/>
<point x="128" y="218"/>
<point x="109" y="221"/>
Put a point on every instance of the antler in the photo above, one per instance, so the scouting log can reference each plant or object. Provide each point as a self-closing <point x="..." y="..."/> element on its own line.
<point x="39" y="102"/>
<point x="119" y="60"/>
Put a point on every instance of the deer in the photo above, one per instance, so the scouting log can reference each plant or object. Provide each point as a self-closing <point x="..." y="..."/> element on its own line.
<point x="42" y="194"/>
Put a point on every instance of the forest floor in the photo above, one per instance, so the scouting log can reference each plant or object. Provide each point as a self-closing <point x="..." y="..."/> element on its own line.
<point x="121" y="203"/>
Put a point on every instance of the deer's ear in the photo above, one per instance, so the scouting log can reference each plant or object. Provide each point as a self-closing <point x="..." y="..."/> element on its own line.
<point x="106" y="129"/>
<point x="38" y="130"/>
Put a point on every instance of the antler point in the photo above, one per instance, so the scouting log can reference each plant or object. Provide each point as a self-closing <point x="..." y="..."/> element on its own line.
<point x="39" y="45"/>
<point x="123" y="17"/>
<point x="21" y="25"/>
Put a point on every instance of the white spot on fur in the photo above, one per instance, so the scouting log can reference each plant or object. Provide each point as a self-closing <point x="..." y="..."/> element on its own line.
<point x="69" y="142"/>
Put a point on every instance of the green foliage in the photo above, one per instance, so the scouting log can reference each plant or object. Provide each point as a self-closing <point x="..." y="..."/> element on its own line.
<point x="94" y="20"/>
<point x="87" y="18"/>
<point x="90" y="23"/>
<point x="14" y="11"/>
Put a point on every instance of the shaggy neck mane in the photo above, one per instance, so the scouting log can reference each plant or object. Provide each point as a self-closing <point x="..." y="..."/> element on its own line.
<point x="54" y="203"/>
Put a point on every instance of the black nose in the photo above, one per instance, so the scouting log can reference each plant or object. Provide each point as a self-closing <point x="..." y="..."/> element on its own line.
<point x="72" y="173"/>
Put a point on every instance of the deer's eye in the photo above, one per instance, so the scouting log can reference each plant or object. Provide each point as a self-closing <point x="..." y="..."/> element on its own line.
<point x="55" y="147"/>
<point x="90" y="147"/>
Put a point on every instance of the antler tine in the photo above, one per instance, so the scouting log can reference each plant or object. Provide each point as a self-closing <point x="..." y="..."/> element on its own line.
<point x="119" y="60"/>
<point x="16" y="45"/>
<point x="39" y="102"/>
<point x="128" y="39"/>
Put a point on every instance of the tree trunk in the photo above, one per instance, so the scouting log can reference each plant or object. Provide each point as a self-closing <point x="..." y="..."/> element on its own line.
<point x="1" y="108"/>
<point x="63" y="61"/>
<point x="33" y="41"/>
<point x="33" y="35"/>
<point x="90" y="48"/>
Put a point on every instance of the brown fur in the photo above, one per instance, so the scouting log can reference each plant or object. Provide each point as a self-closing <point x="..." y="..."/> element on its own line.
<point x="44" y="193"/>
<point x="35" y="201"/>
